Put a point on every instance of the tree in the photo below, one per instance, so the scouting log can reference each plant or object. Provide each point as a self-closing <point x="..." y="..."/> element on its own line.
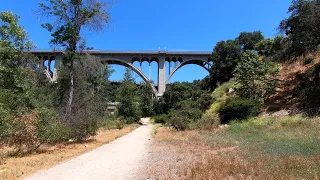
<point x="146" y="100"/>
<point x="225" y="56"/>
<point x="128" y="76"/>
<point x="68" y="19"/>
<point x="255" y="76"/>
<point x="249" y="39"/>
<point x="270" y="47"/>
<point x="302" y="27"/>
<point x="127" y="96"/>
<point x="16" y="68"/>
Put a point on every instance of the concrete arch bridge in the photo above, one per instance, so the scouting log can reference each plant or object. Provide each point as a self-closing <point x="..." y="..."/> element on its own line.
<point x="176" y="60"/>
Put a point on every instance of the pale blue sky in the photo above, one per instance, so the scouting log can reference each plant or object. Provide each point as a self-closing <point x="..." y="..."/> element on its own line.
<point x="174" y="24"/>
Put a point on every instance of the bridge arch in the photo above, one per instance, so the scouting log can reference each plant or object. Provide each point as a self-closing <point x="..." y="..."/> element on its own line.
<point x="131" y="66"/>
<point x="199" y="62"/>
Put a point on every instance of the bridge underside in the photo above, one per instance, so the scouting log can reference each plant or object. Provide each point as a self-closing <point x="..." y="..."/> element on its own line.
<point x="179" y="59"/>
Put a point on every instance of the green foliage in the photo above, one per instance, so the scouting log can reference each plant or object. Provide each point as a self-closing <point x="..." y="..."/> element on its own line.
<point x="162" y="118"/>
<point x="68" y="19"/>
<point x="307" y="61"/>
<point x="249" y="39"/>
<point x="223" y="89"/>
<point x="119" y="124"/>
<point x="237" y="108"/>
<point x="146" y="100"/>
<point x="255" y="76"/>
<point x="302" y="27"/>
<point x="280" y="136"/>
<point x="127" y="96"/>
<point x="310" y="94"/>
<point x="5" y="123"/>
<point x="182" y="118"/>
<point x="179" y="93"/>
<point x="209" y="121"/>
<point x="90" y="96"/>
<point x="225" y="56"/>
<point x="50" y="129"/>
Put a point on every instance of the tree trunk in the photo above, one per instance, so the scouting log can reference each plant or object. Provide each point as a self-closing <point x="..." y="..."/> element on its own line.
<point x="70" y="94"/>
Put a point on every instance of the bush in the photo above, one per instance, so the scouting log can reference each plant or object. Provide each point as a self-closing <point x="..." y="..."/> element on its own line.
<point x="162" y="119"/>
<point x="179" y="123"/>
<point x="81" y="129"/>
<point x="119" y="124"/>
<point x="307" y="61"/>
<point x="5" y="124"/>
<point x="238" y="109"/>
<point x="207" y="122"/>
<point x="182" y="119"/>
<point x="50" y="129"/>
<point x="24" y="133"/>
<point x="310" y="94"/>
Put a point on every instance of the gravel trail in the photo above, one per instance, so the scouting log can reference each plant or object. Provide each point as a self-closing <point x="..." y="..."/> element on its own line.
<point x="120" y="159"/>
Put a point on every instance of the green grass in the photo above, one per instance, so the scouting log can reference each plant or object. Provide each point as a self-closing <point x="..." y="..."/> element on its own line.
<point x="288" y="144"/>
<point x="295" y="135"/>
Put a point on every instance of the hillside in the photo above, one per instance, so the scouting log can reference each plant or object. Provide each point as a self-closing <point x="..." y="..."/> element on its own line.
<point x="293" y="77"/>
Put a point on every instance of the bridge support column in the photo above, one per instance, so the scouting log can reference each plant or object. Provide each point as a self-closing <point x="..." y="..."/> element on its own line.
<point x="161" y="77"/>
<point x="149" y="71"/>
<point x="58" y="60"/>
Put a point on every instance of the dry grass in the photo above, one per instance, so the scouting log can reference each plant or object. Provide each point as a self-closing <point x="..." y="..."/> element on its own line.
<point x="50" y="155"/>
<point x="287" y="148"/>
<point x="288" y="81"/>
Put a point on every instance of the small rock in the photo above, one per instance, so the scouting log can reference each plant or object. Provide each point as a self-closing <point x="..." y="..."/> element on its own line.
<point x="3" y="170"/>
<point x="280" y="113"/>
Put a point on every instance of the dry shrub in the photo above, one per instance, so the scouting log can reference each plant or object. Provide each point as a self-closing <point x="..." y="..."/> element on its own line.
<point x="233" y="166"/>
<point x="209" y="121"/>
<point x="2" y="157"/>
<point x="24" y="133"/>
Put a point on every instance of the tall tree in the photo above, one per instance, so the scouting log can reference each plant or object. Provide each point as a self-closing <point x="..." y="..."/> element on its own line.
<point x="302" y="27"/>
<point x="249" y="39"/>
<point x="127" y="96"/>
<point x="255" y="76"/>
<point x="225" y="57"/>
<point x="146" y="100"/>
<point x="67" y="20"/>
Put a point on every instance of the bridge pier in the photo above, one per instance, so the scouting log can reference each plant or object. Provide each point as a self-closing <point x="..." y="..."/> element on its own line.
<point x="58" y="60"/>
<point x="161" y="77"/>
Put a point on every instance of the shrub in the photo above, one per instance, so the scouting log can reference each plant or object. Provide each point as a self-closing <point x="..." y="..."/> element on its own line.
<point x="182" y="119"/>
<point x="119" y="124"/>
<point x="5" y="124"/>
<point x="81" y="130"/>
<point x="179" y="123"/>
<point x="162" y="119"/>
<point x="50" y="129"/>
<point x="238" y="109"/>
<point x="207" y="122"/>
<point x="257" y="78"/>
<point x="310" y="94"/>
<point x="24" y="133"/>
<point x="307" y="61"/>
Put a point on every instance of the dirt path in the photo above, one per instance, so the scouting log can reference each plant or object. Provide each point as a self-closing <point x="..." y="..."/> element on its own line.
<point x="120" y="159"/>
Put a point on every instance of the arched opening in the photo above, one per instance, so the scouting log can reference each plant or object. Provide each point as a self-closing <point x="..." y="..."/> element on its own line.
<point x="184" y="75"/>
<point x="197" y="63"/>
<point x="154" y="68"/>
<point x="131" y="66"/>
<point x="52" y="64"/>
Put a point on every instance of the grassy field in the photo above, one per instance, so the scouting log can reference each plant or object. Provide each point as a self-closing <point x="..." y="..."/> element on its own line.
<point x="50" y="155"/>
<point x="260" y="148"/>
